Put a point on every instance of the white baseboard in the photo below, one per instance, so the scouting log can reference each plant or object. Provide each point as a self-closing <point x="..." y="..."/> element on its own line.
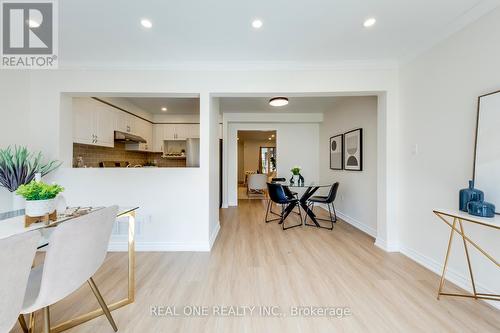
<point x="122" y="246"/>
<point x="452" y="276"/>
<point x="352" y="221"/>
<point x="214" y="235"/>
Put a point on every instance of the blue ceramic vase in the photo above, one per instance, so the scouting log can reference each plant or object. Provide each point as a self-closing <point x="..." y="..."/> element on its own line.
<point x="469" y="194"/>
<point x="481" y="208"/>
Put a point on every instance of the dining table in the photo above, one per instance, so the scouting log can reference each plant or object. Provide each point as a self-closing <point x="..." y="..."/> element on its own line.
<point x="13" y="223"/>
<point x="310" y="190"/>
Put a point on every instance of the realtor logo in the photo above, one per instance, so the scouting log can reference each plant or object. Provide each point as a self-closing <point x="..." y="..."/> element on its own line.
<point x="29" y="34"/>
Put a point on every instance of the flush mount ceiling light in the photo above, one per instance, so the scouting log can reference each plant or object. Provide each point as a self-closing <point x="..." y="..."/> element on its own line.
<point x="257" y="24"/>
<point x="369" y="22"/>
<point x="278" y="101"/>
<point x="146" y="23"/>
<point x="164" y="109"/>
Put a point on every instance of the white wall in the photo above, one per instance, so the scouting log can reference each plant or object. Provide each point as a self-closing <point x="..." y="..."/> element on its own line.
<point x="33" y="109"/>
<point x="292" y="149"/>
<point x="439" y="93"/>
<point x="14" y="99"/>
<point x="356" y="200"/>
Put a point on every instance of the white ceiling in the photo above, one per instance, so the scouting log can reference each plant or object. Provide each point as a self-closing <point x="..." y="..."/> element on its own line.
<point x="108" y="33"/>
<point x="174" y="105"/>
<point x="295" y="104"/>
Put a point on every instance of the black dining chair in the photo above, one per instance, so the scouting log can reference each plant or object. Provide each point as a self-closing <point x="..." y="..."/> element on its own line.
<point x="288" y="192"/>
<point x="329" y="201"/>
<point x="278" y="196"/>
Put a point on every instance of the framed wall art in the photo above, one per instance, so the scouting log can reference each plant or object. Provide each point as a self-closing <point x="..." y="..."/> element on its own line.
<point x="353" y="150"/>
<point x="337" y="152"/>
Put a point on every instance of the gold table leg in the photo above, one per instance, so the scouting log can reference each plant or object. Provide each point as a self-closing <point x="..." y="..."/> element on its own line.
<point x="131" y="284"/>
<point x="465" y="240"/>
<point x="441" y="283"/>
<point x="22" y="323"/>
<point x="468" y="258"/>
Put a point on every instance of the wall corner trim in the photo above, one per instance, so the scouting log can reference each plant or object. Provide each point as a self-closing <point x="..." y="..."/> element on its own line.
<point x="213" y="236"/>
<point x="387" y="247"/>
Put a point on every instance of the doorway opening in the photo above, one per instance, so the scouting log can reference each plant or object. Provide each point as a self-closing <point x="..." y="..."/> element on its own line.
<point x="257" y="162"/>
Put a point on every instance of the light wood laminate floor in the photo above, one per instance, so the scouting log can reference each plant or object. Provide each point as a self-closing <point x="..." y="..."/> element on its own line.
<point x="253" y="263"/>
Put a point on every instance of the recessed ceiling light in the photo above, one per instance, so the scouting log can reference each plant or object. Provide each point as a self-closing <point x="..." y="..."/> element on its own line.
<point x="272" y="136"/>
<point x="257" y="24"/>
<point x="370" y="22"/>
<point x="33" y="24"/>
<point x="146" y="23"/>
<point x="164" y="109"/>
<point x="278" y="101"/>
<point x="270" y="139"/>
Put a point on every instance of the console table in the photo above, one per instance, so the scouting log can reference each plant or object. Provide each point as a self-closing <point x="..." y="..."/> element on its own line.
<point x="455" y="219"/>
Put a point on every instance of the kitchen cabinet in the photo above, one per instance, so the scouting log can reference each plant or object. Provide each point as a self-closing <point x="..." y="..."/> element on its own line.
<point x="93" y="123"/>
<point x="127" y="122"/>
<point x="181" y="131"/>
<point x="158" y="137"/>
<point x="193" y="131"/>
<point x="143" y="129"/>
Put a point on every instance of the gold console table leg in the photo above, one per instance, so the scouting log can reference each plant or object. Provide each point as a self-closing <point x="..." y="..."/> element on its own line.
<point x="441" y="283"/>
<point x="465" y="239"/>
<point x="131" y="284"/>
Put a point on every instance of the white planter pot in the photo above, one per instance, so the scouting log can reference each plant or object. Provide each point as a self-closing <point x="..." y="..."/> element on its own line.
<point x="40" y="207"/>
<point x="18" y="202"/>
<point x="296" y="179"/>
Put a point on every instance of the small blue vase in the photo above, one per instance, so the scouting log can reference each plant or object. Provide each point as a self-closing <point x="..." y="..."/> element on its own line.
<point x="481" y="208"/>
<point x="469" y="194"/>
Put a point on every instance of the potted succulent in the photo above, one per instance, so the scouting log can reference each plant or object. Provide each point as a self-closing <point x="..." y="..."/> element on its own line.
<point x="18" y="166"/>
<point x="40" y="197"/>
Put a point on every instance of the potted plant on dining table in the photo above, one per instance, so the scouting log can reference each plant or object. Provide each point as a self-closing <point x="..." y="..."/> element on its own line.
<point x="40" y="197"/>
<point x="295" y="174"/>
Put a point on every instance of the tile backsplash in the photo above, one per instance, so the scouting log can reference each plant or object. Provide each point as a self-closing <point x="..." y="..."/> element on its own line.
<point x="93" y="155"/>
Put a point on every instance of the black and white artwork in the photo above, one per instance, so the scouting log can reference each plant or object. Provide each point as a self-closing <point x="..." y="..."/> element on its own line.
<point x="337" y="152"/>
<point x="353" y="150"/>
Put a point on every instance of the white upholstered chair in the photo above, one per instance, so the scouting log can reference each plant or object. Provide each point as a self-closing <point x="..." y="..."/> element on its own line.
<point x="257" y="183"/>
<point x="77" y="248"/>
<point x="16" y="257"/>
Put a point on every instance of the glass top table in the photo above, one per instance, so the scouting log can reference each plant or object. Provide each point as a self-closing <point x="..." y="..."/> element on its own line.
<point x="304" y="185"/>
<point x="311" y="188"/>
<point x="12" y="222"/>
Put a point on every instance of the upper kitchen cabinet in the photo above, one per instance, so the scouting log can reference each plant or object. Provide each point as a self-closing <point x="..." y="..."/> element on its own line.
<point x="181" y="131"/>
<point x="93" y="122"/>
<point x="143" y="129"/>
<point x="127" y="123"/>
<point x="193" y="131"/>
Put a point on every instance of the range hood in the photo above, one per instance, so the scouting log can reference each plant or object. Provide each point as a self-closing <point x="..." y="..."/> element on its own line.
<point x="128" y="138"/>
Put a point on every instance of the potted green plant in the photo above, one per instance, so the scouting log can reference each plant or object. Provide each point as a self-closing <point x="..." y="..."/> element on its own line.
<point x="18" y="166"/>
<point x="40" y="197"/>
<point x="296" y="173"/>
